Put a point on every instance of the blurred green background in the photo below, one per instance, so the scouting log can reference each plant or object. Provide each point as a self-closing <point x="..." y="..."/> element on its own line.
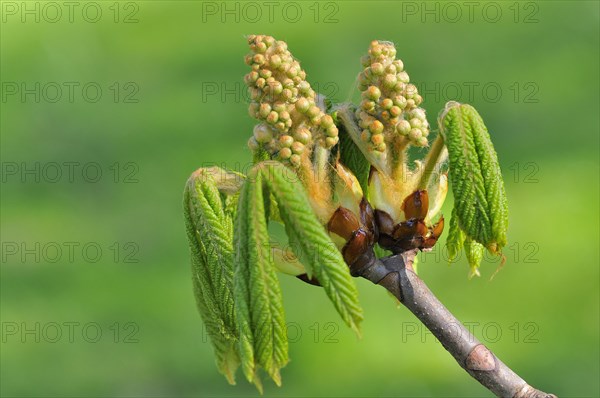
<point x="172" y="100"/>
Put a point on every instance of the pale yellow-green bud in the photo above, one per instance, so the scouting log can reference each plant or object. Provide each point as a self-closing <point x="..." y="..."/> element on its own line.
<point x="415" y="134"/>
<point x="376" y="127"/>
<point x="400" y="101"/>
<point x="272" y="117"/>
<point x="332" y="131"/>
<point x="367" y="105"/>
<point x="373" y="93"/>
<point x="377" y="68"/>
<point x="295" y="160"/>
<point x="287" y="94"/>
<point x="403" y="127"/>
<point x="389" y="81"/>
<point x="281" y="126"/>
<point x="395" y="111"/>
<point x="284" y="115"/>
<point x="377" y="139"/>
<point x="387" y="104"/>
<point x="326" y="121"/>
<point x="422" y="142"/>
<point x="330" y="142"/>
<point x="263" y="133"/>
<point x="279" y="106"/>
<point x="302" y="135"/>
<point x="264" y="110"/>
<point x="403" y="77"/>
<point x="265" y="73"/>
<point x="285" y="153"/>
<point x="251" y="77"/>
<point x="297" y="147"/>
<point x="302" y="105"/>
<point x="286" y="141"/>
<point x="415" y="123"/>
<point x="304" y="87"/>
<point x="258" y="59"/>
<point x="313" y="111"/>
<point x="275" y="61"/>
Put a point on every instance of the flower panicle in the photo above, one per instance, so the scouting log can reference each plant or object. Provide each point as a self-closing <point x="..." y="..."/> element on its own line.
<point x="291" y="122"/>
<point x="389" y="113"/>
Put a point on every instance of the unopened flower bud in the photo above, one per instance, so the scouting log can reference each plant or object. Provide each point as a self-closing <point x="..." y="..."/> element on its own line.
<point x="403" y="77"/>
<point x="373" y="93"/>
<point x="284" y="115"/>
<point x="281" y="126"/>
<point x="415" y="134"/>
<point x="422" y="142"/>
<point x="416" y="123"/>
<point x="264" y="110"/>
<point x="330" y="142"/>
<point x="304" y="87"/>
<point x="297" y="147"/>
<point x="286" y="141"/>
<point x="302" y="135"/>
<point x="302" y="105"/>
<point x="389" y="81"/>
<point x="258" y="59"/>
<point x="367" y="105"/>
<point x="376" y="127"/>
<point x="251" y="77"/>
<point x="313" y="111"/>
<point x="386" y="103"/>
<point x="272" y="117"/>
<point x="365" y="135"/>
<point x="326" y="121"/>
<point x="285" y="153"/>
<point x="377" y="69"/>
<point x="275" y="61"/>
<point x="377" y="139"/>
<point x="403" y="127"/>
<point x="262" y="133"/>
<point x="332" y="131"/>
<point x="276" y="88"/>
<point x="400" y="101"/>
<point x="295" y="160"/>
<point x="265" y="73"/>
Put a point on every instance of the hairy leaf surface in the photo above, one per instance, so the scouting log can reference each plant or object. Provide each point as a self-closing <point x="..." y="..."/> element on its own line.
<point x="480" y="200"/>
<point x="259" y="302"/>
<point x="311" y="243"/>
<point x="209" y="229"/>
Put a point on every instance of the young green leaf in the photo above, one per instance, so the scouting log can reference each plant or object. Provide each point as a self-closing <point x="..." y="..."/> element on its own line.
<point x="455" y="239"/>
<point x="259" y="303"/>
<point x="312" y="245"/>
<point x="209" y="230"/>
<point x="474" y="252"/>
<point x="475" y="176"/>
